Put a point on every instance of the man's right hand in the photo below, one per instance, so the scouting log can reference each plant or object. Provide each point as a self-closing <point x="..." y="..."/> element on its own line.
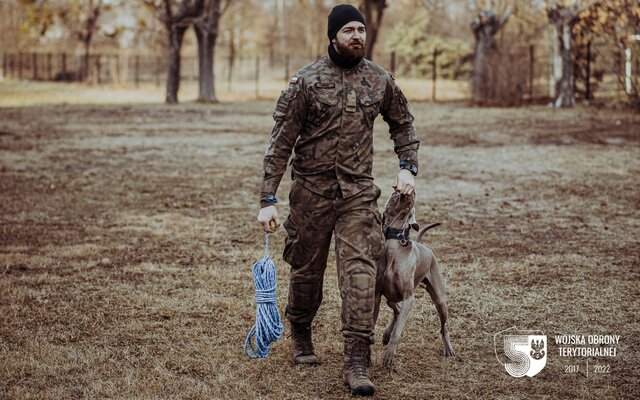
<point x="268" y="218"/>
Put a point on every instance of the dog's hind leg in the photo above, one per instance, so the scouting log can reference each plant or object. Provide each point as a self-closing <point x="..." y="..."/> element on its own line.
<point x="435" y="287"/>
<point x="387" y="332"/>
<point x="390" y="352"/>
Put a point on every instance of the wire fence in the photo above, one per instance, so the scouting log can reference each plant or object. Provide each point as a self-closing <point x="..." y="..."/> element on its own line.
<point x="609" y="71"/>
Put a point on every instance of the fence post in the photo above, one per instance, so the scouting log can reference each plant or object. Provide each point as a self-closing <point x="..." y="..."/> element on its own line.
<point x="98" y="67"/>
<point x="393" y="63"/>
<point x="157" y="71"/>
<point x="80" y="75"/>
<point x="11" y="61"/>
<point x="64" y="66"/>
<point x="114" y="69"/>
<point x="20" y="66"/>
<point x="229" y="73"/>
<point x="49" y="72"/>
<point x="34" y="65"/>
<point x="637" y="71"/>
<point x="257" y="77"/>
<point x="620" y="71"/>
<point x="531" y="70"/>
<point x="588" y="76"/>
<point x="136" y="70"/>
<point x="434" y="74"/>
<point x="286" y="69"/>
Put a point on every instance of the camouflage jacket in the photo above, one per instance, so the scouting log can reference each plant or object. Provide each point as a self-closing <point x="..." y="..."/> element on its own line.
<point x="326" y="116"/>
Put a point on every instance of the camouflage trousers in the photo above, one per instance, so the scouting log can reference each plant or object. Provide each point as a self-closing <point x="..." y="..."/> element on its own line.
<point x="359" y="241"/>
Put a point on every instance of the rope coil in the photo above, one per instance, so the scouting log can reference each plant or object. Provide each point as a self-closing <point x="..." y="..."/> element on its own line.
<point x="268" y="327"/>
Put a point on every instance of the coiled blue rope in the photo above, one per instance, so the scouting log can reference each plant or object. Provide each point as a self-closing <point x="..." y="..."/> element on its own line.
<point x="268" y="327"/>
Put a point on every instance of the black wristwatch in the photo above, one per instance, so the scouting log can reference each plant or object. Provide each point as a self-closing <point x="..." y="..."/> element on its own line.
<point x="409" y="166"/>
<point x="271" y="199"/>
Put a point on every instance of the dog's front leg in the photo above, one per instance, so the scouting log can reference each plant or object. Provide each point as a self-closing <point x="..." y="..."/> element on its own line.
<point x="390" y="353"/>
<point x="387" y="331"/>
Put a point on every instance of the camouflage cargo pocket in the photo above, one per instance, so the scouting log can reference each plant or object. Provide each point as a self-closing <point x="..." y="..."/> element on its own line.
<point x="295" y="252"/>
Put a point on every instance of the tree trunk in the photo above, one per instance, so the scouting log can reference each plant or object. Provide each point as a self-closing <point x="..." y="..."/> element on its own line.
<point x="563" y="20"/>
<point x="90" y="27"/>
<point x="480" y="78"/>
<point x="207" y="34"/>
<point x="373" y="11"/>
<point x="483" y="77"/>
<point x="565" y="87"/>
<point x="176" y="34"/>
<point x="232" y="57"/>
<point x="206" y="50"/>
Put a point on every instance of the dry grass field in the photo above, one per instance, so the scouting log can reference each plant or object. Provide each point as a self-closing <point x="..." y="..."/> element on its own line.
<point x="128" y="232"/>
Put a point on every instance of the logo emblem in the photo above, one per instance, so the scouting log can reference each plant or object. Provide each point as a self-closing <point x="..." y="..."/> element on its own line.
<point x="521" y="352"/>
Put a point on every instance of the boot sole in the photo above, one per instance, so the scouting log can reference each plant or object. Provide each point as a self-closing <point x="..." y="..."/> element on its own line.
<point x="309" y="359"/>
<point x="363" y="391"/>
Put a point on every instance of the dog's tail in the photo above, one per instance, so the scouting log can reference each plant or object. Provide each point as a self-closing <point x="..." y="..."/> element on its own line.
<point x="425" y="229"/>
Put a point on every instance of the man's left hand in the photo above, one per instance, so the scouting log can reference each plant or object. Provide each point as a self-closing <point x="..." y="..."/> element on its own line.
<point x="404" y="182"/>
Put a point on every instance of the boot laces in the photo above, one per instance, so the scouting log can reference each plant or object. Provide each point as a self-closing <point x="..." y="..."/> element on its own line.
<point x="357" y="363"/>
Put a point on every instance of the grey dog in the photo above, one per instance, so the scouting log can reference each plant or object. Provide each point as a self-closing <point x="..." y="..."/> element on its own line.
<point x="405" y="265"/>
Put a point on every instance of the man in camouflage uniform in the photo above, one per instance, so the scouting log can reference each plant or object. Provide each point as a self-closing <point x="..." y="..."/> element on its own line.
<point x="326" y="117"/>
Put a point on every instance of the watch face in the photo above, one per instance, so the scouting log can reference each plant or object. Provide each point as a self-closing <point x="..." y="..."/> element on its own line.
<point x="412" y="168"/>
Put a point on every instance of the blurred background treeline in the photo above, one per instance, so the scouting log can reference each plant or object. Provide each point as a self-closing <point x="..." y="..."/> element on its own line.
<point x="500" y="52"/>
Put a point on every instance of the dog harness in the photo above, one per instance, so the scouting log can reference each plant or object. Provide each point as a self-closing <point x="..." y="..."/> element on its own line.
<point x="397" y="234"/>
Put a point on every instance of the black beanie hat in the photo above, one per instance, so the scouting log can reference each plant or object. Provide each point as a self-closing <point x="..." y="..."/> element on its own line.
<point x="341" y="15"/>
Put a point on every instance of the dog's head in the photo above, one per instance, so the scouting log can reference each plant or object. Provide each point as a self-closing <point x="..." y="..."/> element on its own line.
<point x="400" y="212"/>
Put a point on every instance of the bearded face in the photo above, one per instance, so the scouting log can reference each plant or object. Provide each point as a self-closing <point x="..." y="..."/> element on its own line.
<point x="350" y="41"/>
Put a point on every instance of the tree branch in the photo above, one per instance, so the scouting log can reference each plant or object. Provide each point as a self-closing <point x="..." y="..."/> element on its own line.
<point x="505" y="16"/>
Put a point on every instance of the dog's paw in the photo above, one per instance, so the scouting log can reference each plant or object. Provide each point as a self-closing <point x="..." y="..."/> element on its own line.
<point x="448" y="352"/>
<point x="389" y="357"/>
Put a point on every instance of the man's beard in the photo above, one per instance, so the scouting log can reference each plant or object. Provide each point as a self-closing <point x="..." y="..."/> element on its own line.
<point x="351" y="54"/>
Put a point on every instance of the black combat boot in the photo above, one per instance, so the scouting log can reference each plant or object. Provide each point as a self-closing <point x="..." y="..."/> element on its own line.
<point x="302" y="345"/>
<point x="356" y="359"/>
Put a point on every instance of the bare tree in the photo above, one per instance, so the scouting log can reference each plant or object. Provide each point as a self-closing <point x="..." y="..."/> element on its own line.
<point x="176" y="18"/>
<point x="373" y="11"/>
<point x="81" y="19"/>
<point x="563" y="15"/>
<point x="484" y="28"/>
<point x="563" y="18"/>
<point x="89" y="28"/>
